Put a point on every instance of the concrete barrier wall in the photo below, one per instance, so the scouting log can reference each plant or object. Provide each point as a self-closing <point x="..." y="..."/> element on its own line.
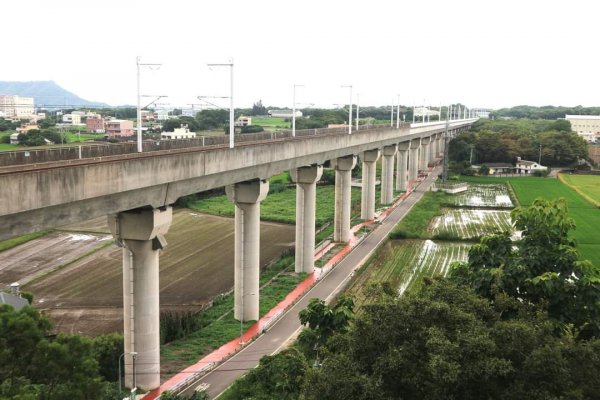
<point x="37" y="156"/>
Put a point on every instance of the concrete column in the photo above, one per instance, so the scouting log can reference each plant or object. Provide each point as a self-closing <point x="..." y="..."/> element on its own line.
<point x="424" y="155"/>
<point x="141" y="233"/>
<point x="413" y="171"/>
<point x="387" y="174"/>
<point x="343" y="191"/>
<point x="247" y="197"/>
<point x="432" y="149"/>
<point x="306" y="198"/>
<point x="402" y="166"/>
<point x="369" y="168"/>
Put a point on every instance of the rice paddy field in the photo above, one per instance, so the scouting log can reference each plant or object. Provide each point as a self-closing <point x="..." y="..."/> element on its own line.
<point x="403" y="263"/>
<point x="585" y="213"/>
<point x="470" y="223"/>
<point x="493" y="196"/>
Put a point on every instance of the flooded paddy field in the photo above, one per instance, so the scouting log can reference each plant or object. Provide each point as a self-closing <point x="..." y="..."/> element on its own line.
<point x="471" y="223"/>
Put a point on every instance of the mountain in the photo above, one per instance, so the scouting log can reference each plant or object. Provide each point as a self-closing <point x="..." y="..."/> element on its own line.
<point x="46" y="93"/>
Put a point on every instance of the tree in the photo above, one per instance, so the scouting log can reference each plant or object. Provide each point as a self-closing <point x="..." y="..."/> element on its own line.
<point x="542" y="268"/>
<point x="446" y="342"/>
<point x="322" y="322"/>
<point x="258" y="108"/>
<point x="35" y="365"/>
<point x="280" y="376"/>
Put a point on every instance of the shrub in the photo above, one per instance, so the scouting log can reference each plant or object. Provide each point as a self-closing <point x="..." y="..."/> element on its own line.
<point x="252" y="129"/>
<point x="542" y="173"/>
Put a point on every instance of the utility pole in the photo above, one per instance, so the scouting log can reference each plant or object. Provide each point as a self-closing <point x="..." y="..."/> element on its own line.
<point x="392" y="114"/>
<point x="397" y="113"/>
<point x="294" y="110"/>
<point x="446" y="141"/>
<point x="357" y="109"/>
<point x="540" y="157"/>
<point x="349" y="110"/>
<point x="231" y="123"/>
<point x="139" y="101"/>
<point x="471" y="156"/>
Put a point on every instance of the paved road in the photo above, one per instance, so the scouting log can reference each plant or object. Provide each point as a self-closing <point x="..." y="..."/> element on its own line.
<point x="270" y="342"/>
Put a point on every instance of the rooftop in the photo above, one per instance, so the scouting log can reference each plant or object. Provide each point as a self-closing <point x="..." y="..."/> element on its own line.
<point x="16" y="301"/>
<point x="582" y="117"/>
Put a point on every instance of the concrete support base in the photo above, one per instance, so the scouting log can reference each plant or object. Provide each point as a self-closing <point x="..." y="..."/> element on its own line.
<point x="247" y="197"/>
<point x="367" y="205"/>
<point x="141" y="233"/>
<point x="387" y="174"/>
<point x="343" y="181"/>
<point x="306" y="198"/>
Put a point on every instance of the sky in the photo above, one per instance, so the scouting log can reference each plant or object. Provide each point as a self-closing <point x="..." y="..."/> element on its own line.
<point x="494" y="53"/>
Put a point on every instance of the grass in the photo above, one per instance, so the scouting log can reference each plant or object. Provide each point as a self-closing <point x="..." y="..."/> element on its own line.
<point x="587" y="186"/>
<point x="218" y="324"/>
<point x="415" y="224"/>
<point x="8" y="147"/>
<point x="10" y="243"/>
<point x="271" y="123"/>
<point x="585" y="214"/>
<point x="278" y="207"/>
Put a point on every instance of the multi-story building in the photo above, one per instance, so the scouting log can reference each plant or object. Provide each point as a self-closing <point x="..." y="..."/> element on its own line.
<point x="16" y="107"/>
<point x="118" y="127"/>
<point x="588" y="126"/>
<point x="94" y="125"/>
<point x="243" y="121"/>
<point x="71" y="119"/>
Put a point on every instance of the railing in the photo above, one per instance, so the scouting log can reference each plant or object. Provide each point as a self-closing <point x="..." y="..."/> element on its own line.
<point x="24" y="157"/>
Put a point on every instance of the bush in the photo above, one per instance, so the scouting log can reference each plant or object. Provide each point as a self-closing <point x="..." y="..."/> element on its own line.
<point x="328" y="176"/>
<point x="541" y="173"/>
<point x="252" y="129"/>
<point x="446" y="235"/>
<point x="176" y="325"/>
<point x="107" y="350"/>
<point x="5" y="139"/>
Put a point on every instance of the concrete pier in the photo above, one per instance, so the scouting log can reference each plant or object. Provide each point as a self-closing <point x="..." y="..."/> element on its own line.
<point x="141" y="233"/>
<point x="367" y="201"/>
<point x="306" y="198"/>
<point x="387" y="174"/>
<point x="247" y="197"/>
<point x="413" y="170"/>
<point x="343" y="191"/>
<point x="424" y="155"/>
<point x="402" y="166"/>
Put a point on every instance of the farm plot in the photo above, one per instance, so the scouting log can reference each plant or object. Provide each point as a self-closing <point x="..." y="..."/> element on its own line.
<point x="196" y="265"/>
<point x="402" y="263"/>
<point x="493" y="196"/>
<point x="470" y="223"/>
<point x="40" y="256"/>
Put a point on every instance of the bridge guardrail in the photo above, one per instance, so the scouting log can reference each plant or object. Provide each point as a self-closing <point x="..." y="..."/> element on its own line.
<point x="97" y="150"/>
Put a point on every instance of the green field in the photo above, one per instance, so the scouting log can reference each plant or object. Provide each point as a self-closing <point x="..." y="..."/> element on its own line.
<point x="415" y="224"/>
<point x="270" y="123"/>
<point x="278" y="207"/>
<point x="8" y="147"/>
<point x="585" y="214"/>
<point x="586" y="185"/>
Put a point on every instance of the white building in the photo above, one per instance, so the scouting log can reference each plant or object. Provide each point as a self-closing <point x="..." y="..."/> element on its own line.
<point x="283" y="113"/>
<point x="178" y="133"/>
<point x="587" y="126"/>
<point x="71" y="119"/>
<point x="527" y="167"/>
<point x="161" y="115"/>
<point x="16" y="107"/>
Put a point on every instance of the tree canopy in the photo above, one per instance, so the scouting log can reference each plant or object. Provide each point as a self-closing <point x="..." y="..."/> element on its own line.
<point x="504" y="141"/>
